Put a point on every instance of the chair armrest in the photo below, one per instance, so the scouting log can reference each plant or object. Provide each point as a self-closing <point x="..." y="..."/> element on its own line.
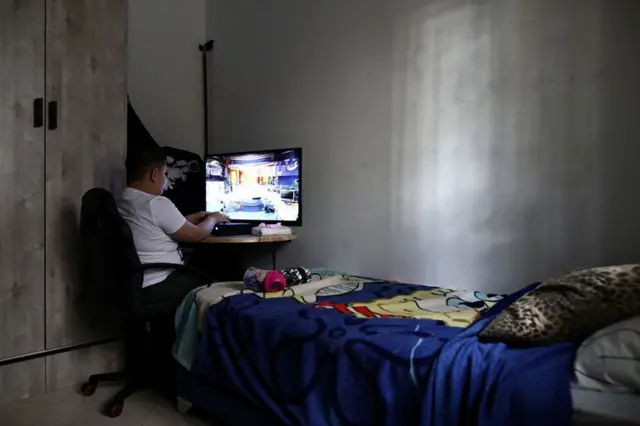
<point x="147" y="266"/>
<point x="175" y="267"/>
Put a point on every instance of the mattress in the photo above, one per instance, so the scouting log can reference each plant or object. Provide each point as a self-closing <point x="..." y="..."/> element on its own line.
<point x="618" y="406"/>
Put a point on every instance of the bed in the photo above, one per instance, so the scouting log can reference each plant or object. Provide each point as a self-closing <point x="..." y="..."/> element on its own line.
<point x="355" y="351"/>
<point x="607" y="372"/>
<point x="611" y="407"/>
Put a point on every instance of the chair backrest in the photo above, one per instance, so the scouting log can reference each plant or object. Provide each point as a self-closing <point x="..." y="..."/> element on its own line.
<point x="111" y="262"/>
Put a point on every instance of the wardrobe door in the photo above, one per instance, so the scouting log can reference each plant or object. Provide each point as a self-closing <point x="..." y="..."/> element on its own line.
<point x="86" y="144"/>
<point x="21" y="177"/>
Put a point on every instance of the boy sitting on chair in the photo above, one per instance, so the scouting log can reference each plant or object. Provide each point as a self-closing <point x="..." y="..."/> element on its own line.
<point x="157" y="227"/>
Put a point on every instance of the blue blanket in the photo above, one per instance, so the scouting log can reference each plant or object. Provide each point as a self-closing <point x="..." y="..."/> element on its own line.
<point x="314" y="366"/>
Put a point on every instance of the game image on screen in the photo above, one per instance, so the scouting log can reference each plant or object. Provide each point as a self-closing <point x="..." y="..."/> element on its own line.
<point x="263" y="186"/>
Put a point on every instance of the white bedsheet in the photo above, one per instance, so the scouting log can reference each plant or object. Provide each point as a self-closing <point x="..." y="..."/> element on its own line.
<point x="621" y="407"/>
<point x="609" y="360"/>
<point x="607" y="373"/>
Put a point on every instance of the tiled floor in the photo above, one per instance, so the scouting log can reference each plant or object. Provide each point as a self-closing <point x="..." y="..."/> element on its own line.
<point x="67" y="408"/>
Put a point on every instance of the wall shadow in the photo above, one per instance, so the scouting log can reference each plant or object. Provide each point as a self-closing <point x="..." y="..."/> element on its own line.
<point x="620" y="138"/>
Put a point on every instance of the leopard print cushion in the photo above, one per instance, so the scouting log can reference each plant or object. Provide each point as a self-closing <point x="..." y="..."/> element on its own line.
<point x="571" y="307"/>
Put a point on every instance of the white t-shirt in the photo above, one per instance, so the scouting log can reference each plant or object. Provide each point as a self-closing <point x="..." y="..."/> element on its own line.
<point x="152" y="218"/>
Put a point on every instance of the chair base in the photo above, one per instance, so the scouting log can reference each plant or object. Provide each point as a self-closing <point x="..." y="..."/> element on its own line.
<point x="116" y="405"/>
<point x="148" y="347"/>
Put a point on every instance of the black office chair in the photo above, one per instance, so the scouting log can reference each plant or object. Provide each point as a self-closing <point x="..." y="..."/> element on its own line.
<point x="111" y="262"/>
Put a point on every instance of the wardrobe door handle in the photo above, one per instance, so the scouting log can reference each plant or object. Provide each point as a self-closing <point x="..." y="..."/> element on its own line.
<point x="53" y="115"/>
<point x="38" y="113"/>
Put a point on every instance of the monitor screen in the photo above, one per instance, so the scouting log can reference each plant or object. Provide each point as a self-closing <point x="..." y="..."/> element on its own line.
<point x="262" y="186"/>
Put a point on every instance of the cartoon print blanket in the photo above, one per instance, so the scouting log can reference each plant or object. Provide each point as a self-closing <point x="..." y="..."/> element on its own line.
<point x="453" y="307"/>
<point x="366" y="352"/>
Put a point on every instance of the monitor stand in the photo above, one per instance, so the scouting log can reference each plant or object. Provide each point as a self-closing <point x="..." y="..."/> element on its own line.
<point x="232" y="229"/>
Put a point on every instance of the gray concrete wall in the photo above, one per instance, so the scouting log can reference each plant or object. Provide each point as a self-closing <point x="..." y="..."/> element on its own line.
<point x="165" y="71"/>
<point x="477" y="143"/>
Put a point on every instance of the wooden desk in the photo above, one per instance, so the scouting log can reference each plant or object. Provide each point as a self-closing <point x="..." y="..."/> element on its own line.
<point x="249" y="239"/>
<point x="232" y="252"/>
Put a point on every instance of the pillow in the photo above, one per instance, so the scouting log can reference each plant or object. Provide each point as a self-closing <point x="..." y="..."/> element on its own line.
<point x="609" y="360"/>
<point x="569" y="308"/>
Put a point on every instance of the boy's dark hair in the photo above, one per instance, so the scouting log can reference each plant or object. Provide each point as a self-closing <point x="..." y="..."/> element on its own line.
<point x="140" y="161"/>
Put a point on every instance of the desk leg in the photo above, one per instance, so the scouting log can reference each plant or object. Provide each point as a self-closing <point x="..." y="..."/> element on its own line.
<point x="273" y="256"/>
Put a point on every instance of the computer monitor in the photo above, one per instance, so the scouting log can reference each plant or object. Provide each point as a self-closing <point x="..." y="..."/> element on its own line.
<point x="256" y="187"/>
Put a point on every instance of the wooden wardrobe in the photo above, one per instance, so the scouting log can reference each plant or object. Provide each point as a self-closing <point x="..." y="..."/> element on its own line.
<point x="62" y="132"/>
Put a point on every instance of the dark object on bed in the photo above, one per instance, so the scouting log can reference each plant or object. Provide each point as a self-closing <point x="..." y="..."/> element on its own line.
<point x="111" y="261"/>
<point x="569" y="308"/>
<point x="296" y="276"/>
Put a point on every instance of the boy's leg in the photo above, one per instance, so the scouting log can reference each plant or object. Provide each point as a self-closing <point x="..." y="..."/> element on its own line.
<point x="173" y="289"/>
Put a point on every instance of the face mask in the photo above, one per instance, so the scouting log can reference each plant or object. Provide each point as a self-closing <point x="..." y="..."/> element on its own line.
<point x="165" y="180"/>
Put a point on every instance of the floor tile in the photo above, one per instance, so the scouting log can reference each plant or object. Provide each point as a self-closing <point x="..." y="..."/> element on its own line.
<point x="49" y="399"/>
<point x="164" y="415"/>
<point x="22" y="414"/>
<point x="67" y="407"/>
<point x="74" y="413"/>
<point x="198" y="421"/>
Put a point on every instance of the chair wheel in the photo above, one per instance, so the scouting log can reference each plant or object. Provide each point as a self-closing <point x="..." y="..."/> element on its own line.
<point x="88" y="388"/>
<point x="114" y="409"/>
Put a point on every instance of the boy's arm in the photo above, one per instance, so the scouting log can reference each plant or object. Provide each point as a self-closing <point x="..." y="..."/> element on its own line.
<point x="190" y="233"/>
<point x="196" y="218"/>
<point x="176" y="226"/>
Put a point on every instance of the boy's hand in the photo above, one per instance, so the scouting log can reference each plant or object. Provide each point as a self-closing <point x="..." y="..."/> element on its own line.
<point x="218" y="217"/>
<point x="196" y="218"/>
